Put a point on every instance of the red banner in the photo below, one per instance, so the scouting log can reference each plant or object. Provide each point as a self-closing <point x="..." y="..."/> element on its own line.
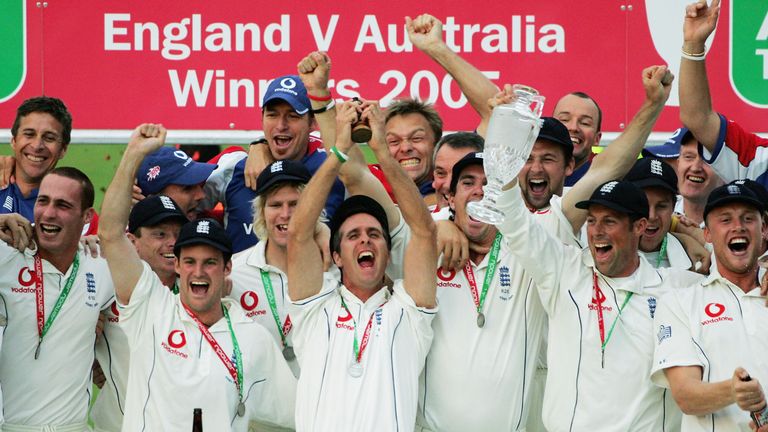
<point x="203" y="65"/>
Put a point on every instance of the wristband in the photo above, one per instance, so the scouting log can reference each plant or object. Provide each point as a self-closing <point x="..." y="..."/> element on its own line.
<point x="693" y="56"/>
<point x="325" y="108"/>
<point x="339" y="154"/>
<point x="259" y="141"/>
<point x="320" y="98"/>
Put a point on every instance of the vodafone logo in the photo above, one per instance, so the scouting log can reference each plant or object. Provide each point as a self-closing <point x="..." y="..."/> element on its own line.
<point x="26" y="277"/>
<point x="341" y="321"/>
<point x="600" y="298"/>
<point x="714" y="310"/>
<point x="177" y="339"/>
<point x="114" y="309"/>
<point x="249" y="300"/>
<point x="346" y="317"/>
<point x="445" y="276"/>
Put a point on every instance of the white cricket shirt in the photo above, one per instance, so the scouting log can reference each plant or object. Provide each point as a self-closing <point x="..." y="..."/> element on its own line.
<point x="329" y="398"/>
<point x="113" y="354"/>
<point x="586" y="390"/>
<point x="55" y="389"/>
<point x="714" y="325"/>
<point x="174" y="369"/>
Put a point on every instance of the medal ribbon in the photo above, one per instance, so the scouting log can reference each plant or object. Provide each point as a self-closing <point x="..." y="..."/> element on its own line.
<point x="44" y="325"/>
<point x="470" y="274"/>
<point x="662" y="252"/>
<point x="358" y="350"/>
<point x="235" y="370"/>
<point x="286" y="327"/>
<point x="175" y="288"/>
<point x="599" y="298"/>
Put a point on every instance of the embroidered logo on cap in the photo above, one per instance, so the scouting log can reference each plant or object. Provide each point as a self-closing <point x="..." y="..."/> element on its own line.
<point x="733" y="189"/>
<point x="656" y="167"/>
<point x="276" y="167"/>
<point x="203" y="227"/>
<point x="153" y="173"/>
<point x="167" y="202"/>
<point x="608" y="187"/>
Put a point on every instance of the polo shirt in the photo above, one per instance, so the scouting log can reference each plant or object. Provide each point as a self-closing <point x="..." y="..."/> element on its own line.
<point x="585" y="388"/>
<point x="738" y="154"/>
<point x="716" y="326"/>
<point x="54" y="389"/>
<point x="175" y="370"/>
<point x="226" y="184"/>
<point x="675" y="256"/>
<point x="13" y="201"/>
<point x="113" y="355"/>
<point x="481" y="378"/>
<point x="384" y="397"/>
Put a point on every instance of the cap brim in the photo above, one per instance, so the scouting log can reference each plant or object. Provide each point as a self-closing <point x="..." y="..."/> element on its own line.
<point x="162" y="217"/>
<point x="196" y="173"/>
<point x="555" y="140"/>
<point x="460" y="166"/>
<point x="733" y="199"/>
<point x="301" y="110"/>
<point x="584" y="205"/>
<point x="199" y="241"/>
<point x="283" y="178"/>
<point x="654" y="182"/>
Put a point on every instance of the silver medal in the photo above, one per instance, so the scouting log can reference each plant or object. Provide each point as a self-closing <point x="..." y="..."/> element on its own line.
<point x="288" y="353"/>
<point x="480" y="320"/>
<point x="241" y="409"/>
<point x="356" y="370"/>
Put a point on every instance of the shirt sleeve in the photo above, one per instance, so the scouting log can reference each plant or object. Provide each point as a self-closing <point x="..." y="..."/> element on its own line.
<point x="419" y="318"/>
<point x="738" y="154"/>
<point x="216" y="185"/>
<point x="147" y="302"/>
<point x="674" y="340"/>
<point x="307" y="314"/>
<point x="400" y="235"/>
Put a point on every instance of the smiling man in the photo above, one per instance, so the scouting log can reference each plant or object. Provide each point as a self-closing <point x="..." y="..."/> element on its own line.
<point x="195" y="343"/>
<point x="711" y="342"/>
<point x="52" y="297"/>
<point x="39" y="138"/>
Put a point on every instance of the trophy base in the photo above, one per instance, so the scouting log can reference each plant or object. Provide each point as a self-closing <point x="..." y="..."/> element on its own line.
<point x="484" y="213"/>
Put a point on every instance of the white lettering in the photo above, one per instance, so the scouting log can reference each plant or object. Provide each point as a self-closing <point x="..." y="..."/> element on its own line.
<point x="553" y="42"/>
<point x="240" y="30"/>
<point x="322" y="41"/>
<point x="248" y="228"/>
<point x="283" y="30"/>
<point x="764" y="53"/>
<point x="172" y="33"/>
<point x="370" y="33"/>
<point x="110" y="31"/>
<point x="762" y="34"/>
<point x="181" y="93"/>
<point x="219" y="39"/>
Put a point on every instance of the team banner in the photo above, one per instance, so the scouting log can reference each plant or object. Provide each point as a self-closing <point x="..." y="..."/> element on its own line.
<point x="202" y="65"/>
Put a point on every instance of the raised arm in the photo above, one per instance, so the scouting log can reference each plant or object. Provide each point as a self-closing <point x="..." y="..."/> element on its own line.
<point x="305" y="264"/>
<point x="696" y="111"/>
<point x="314" y="71"/>
<point x="426" y="34"/>
<point x="124" y="262"/>
<point x="420" y="259"/>
<point x="617" y="159"/>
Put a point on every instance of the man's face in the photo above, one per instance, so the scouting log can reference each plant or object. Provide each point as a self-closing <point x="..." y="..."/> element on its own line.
<point x="735" y="231"/>
<point x="37" y="146"/>
<point x="59" y="217"/>
<point x="696" y="179"/>
<point x="580" y="116"/>
<point x="278" y="209"/>
<point x="661" y="204"/>
<point x="286" y="131"/>
<point x="411" y="143"/>
<point x="201" y="270"/>
<point x="363" y="252"/>
<point x="613" y="240"/>
<point x="187" y="197"/>
<point x="470" y="188"/>
<point x="445" y="159"/>
<point x="155" y="246"/>
<point x="543" y="175"/>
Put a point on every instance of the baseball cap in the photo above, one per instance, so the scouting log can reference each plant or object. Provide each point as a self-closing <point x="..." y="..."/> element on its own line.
<point x="280" y="172"/>
<point x="619" y="195"/>
<point x="652" y="172"/>
<point x="670" y="149"/>
<point x="290" y="89"/>
<point x="757" y="188"/>
<point x="553" y="130"/>
<point x="154" y="210"/>
<point x="359" y="204"/>
<point x="169" y="166"/>
<point x="731" y="193"/>
<point x="474" y="158"/>
<point x="205" y="232"/>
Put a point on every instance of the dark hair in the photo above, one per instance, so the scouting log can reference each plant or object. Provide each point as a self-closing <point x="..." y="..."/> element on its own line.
<point x="412" y="106"/>
<point x="460" y="140"/>
<point x="86" y="197"/>
<point x="49" y="105"/>
<point x="599" y="111"/>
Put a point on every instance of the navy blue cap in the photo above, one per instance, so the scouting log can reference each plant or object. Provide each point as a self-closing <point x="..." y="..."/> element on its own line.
<point x="290" y="89"/>
<point x="621" y="196"/>
<point x="152" y="211"/>
<point x="553" y="130"/>
<point x="359" y="204"/>
<point x="671" y="147"/>
<point x="731" y="193"/>
<point x="652" y="172"/>
<point x="280" y="172"/>
<point x="474" y="158"/>
<point x="169" y="166"/>
<point x="205" y="232"/>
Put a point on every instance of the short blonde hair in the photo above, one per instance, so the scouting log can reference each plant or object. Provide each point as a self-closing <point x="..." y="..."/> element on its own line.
<point x="258" y="203"/>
